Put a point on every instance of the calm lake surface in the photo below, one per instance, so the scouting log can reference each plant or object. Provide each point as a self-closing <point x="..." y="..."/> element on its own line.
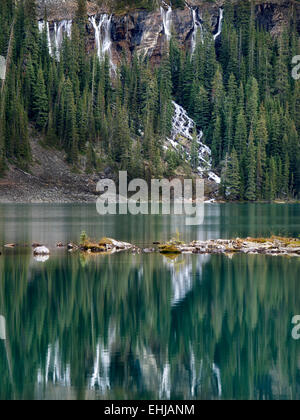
<point x="146" y="326"/>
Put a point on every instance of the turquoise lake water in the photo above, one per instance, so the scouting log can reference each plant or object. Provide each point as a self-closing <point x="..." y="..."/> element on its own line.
<point x="145" y="326"/>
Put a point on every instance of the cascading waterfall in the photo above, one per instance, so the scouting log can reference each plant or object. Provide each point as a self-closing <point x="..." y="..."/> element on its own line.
<point x="56" y="39"/>
<point x="166" y="12"/>
<point x="97" y="30"/>
<point x="60" y="29"/>
<point x="49" y="39"/>
<point x="220" y="24"/>
<point x="2" y="68"/>
<point x="184" y="126"/>
<point x="103" y="36"/>
<point x="2" y="328"/>
<point x="64" y="27"/>
<point x="196" y="25"/>
<point x="41" y="25"/>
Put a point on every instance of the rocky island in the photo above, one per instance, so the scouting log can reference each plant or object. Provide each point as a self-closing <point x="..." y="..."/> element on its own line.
<point x="275" y="246"/>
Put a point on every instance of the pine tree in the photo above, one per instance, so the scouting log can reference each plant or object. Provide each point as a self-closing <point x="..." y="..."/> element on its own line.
<point x="231" y="178"/>
<point x="175" y="65"/>
<point x="250" y="194"/>
<point x="40" y="102"/>
<point x="195" y="151"/>
<point x="201" y="107"/>
<point x="70" y="132"/>
<point x="165" y="98"/>
<point x="216" y="147"/>
<point x="286" y="176"/>
<point x="240" y="140"/>
<point x="217" y="93"/>
<point x="90" y="159"/>
<point x="272" y="174"/>
<point x="230" y="106"/>
<point x="252" y="101"/>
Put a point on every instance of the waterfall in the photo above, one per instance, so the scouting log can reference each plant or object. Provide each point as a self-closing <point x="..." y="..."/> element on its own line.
<point x="103" y="36"/>
<point x="2" y="67"/>
<point x="97" y="30"/>
<point x="49" y="39"/>
<point x="196" y="25"/>
<point x="2" y="328"/>
<point x="63" y="27"/>
<point x="167" y="19"/>
<point x="183" y="127"/>
<point x="220" y="24"/>
<point x="41" y="25"/>
<point x="60" y="29"/>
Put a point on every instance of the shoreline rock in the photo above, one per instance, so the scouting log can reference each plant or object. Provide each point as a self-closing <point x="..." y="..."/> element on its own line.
<point x="105" y="245"/>
<point x="274" y="246"/>
<point x="41" y="251"/>
<point x="249" y="246"/>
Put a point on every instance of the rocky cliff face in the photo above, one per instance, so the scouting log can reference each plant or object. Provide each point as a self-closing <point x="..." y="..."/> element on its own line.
<point x="146" y="32"/>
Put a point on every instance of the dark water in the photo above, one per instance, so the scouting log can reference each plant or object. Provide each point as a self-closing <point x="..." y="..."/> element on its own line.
<point x="145" y="326"/>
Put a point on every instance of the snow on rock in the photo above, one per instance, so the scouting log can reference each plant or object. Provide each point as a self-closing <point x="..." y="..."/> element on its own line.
<point x="182" y="129"/>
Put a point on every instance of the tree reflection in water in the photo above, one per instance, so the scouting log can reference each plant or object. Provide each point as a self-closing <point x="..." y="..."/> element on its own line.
<point x="126" y="326"/>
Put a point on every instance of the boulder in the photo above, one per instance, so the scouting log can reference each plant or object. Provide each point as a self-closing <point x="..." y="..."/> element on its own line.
<point x="41" y="250"/>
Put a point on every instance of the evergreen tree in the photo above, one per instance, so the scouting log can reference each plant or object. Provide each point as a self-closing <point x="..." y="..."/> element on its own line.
<point x="231" y="179"/>
<point x="70" y="133"/>
<point x="216" y="147"/>
<point x="251" y="170"/>
<point x="40" y="101"/>
<point x="240" y="140"/>
<point x="195" y="151"/>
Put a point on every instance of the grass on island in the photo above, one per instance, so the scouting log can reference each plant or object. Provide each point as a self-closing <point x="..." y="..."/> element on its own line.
<point x="172" y="247"/>
<point x="176" y="246"/>
<point x="86" y="244"/>
<point x="292" y="242"/>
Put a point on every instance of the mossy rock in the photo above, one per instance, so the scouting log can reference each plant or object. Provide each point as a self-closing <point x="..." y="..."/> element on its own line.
<point x="105" y="241"/>
<point x="169" y="249"/>
<point x="258" y="240"/>
<point x="94" y="248"/>
<point x="294" y="244"/>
